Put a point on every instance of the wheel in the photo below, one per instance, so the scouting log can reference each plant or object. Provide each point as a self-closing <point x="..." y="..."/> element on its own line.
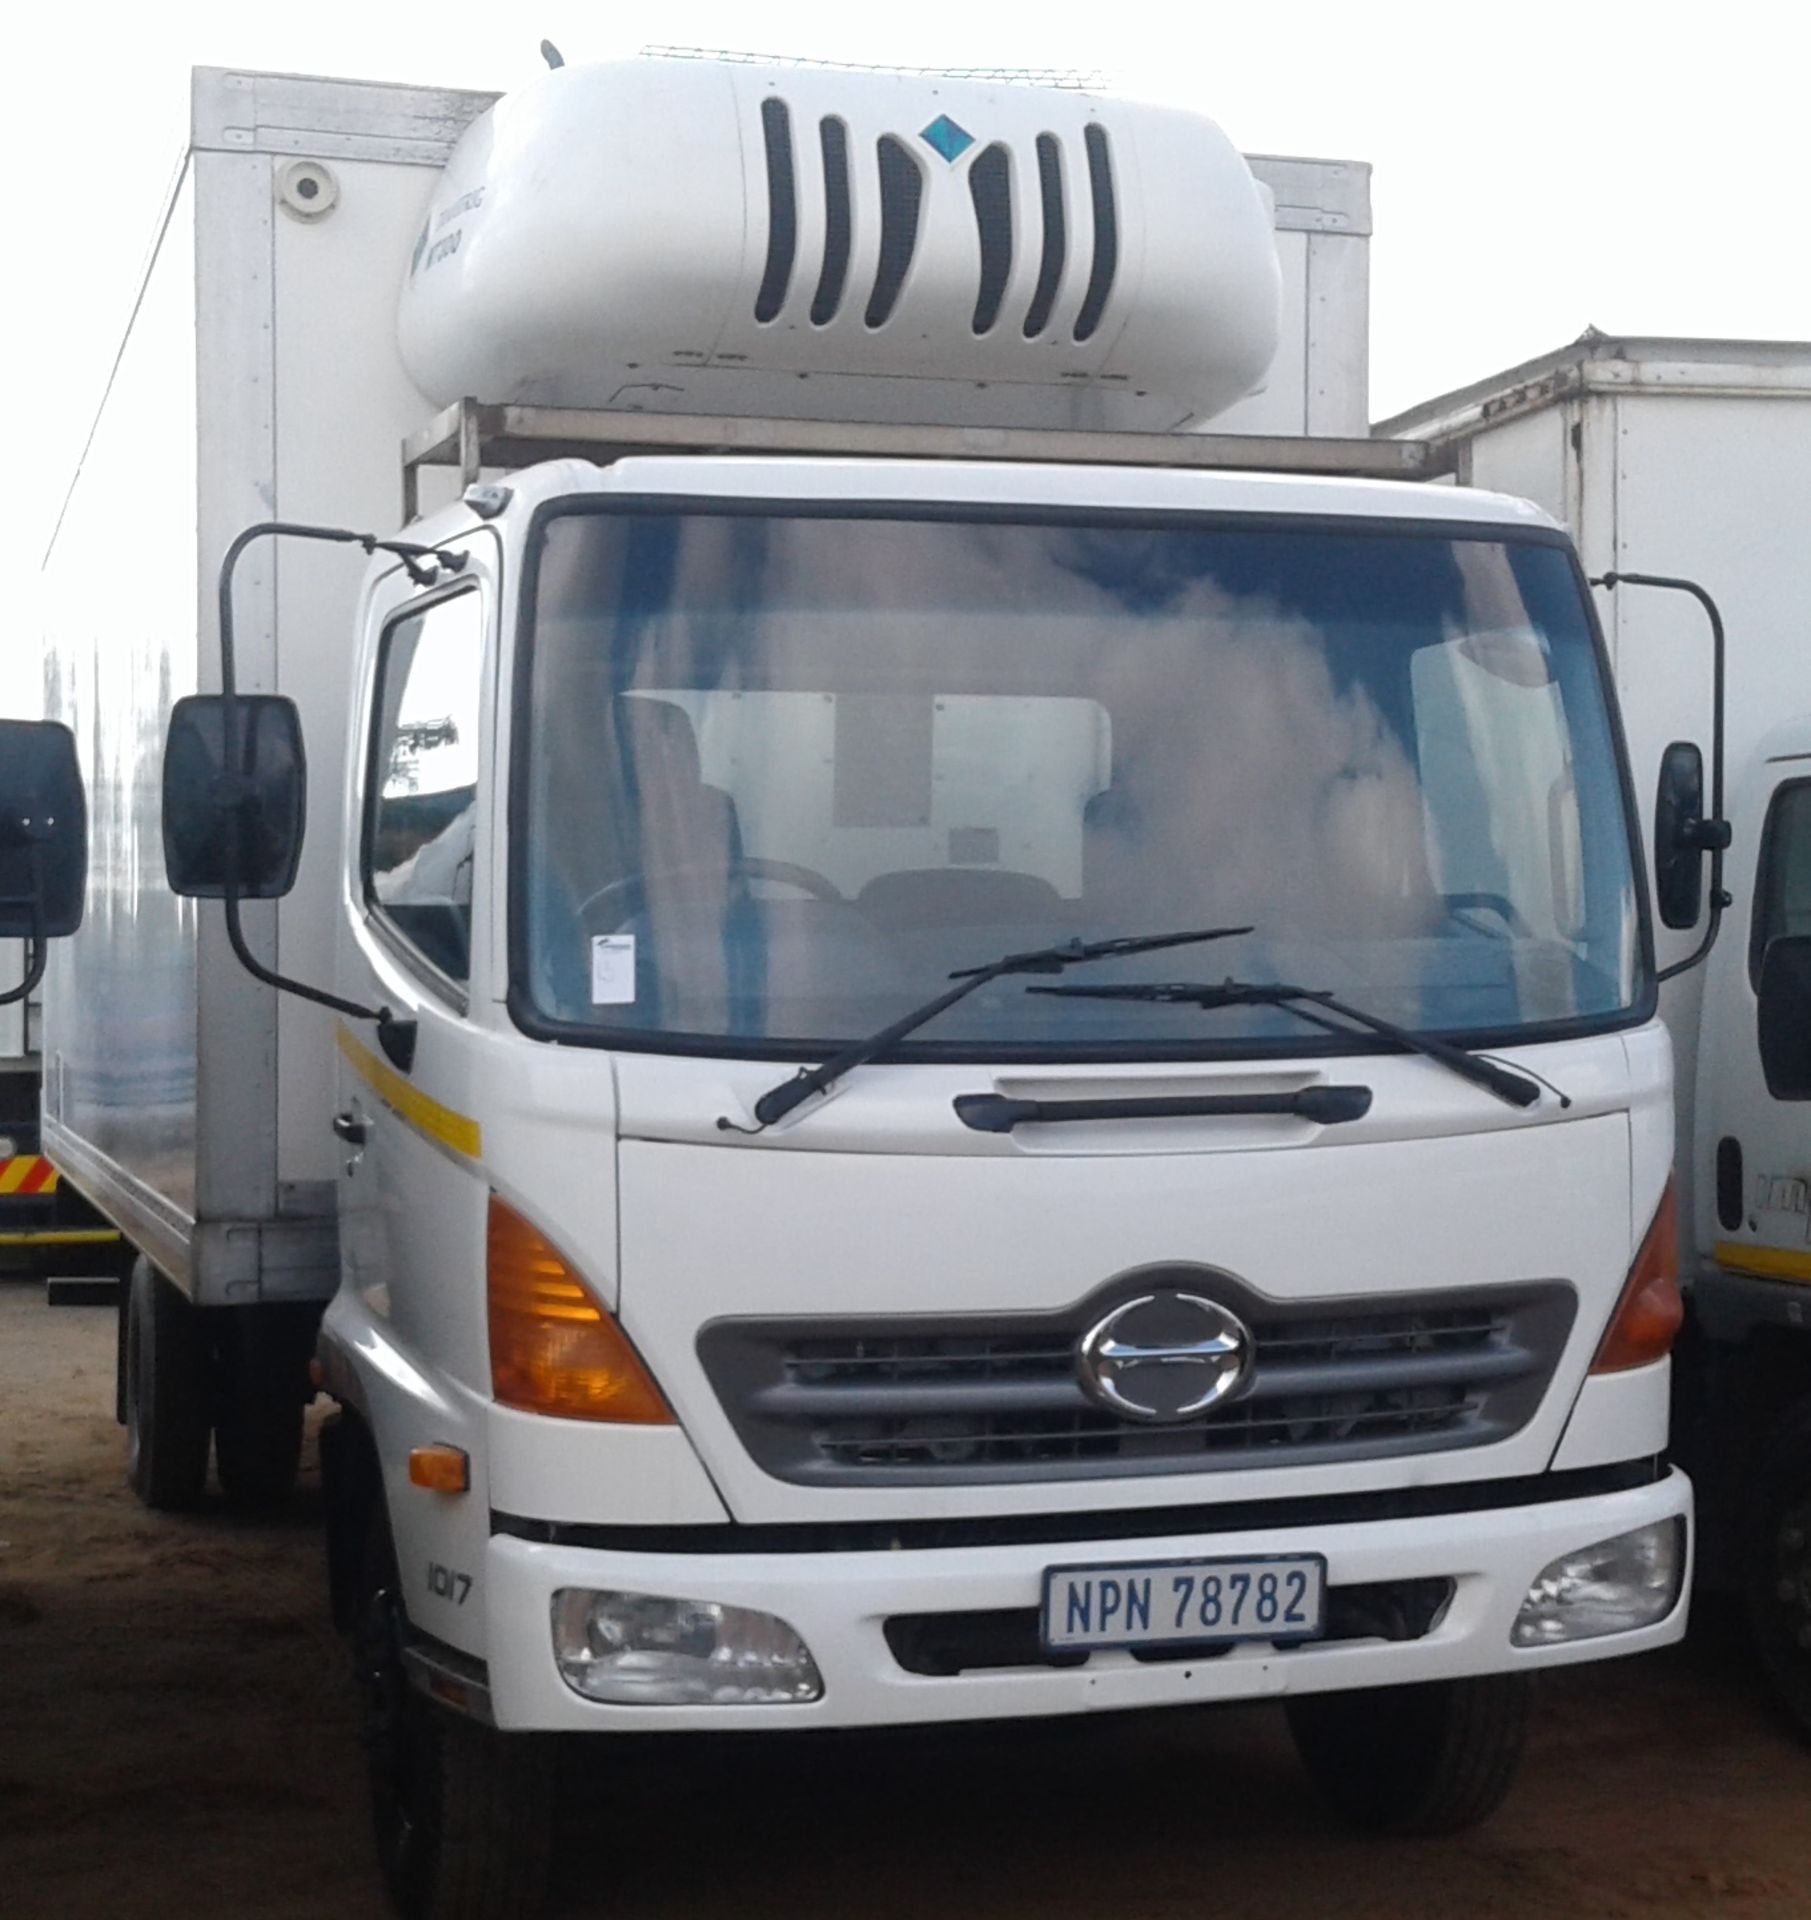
<point x="262" y="1389"/>
<point x="1430" y="1759"/>
<point x="1778" y="1562"/>
<point x="463" y="1814"/>
<point x="166" y="1393"/>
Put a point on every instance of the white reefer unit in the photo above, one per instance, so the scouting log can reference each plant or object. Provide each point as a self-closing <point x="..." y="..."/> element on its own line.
<point x="712" y="237"/>
<point x="262" y="379"/>
<point x="718" y="238"/>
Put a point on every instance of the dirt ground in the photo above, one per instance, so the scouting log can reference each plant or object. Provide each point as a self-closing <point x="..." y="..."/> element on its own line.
<point x="177" y="1742"/>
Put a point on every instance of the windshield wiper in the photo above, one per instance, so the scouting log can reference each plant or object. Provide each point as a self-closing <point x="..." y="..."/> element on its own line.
<point x="779" y="1101"/>
<point x="1516" y="1088"/>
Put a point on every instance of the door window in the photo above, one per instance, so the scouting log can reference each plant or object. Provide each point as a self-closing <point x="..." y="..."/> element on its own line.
<point x="1782" y="893"/>
<point x="422" y="782"/>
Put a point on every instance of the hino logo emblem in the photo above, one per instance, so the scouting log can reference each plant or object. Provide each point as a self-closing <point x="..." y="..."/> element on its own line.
<point x="1164" y="1356"/>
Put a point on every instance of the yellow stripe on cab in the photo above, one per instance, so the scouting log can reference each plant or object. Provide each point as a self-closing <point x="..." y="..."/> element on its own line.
<point x="422" y="1111"/>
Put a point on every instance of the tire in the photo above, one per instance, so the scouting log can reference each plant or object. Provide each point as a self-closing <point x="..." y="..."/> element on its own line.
<point x="1778" y="1563"/>
<point x="262" y="1360"/>
<point x="1430" y="1759"/>
<point x="166" y="1393"/>
<point x="462" y="1815"/>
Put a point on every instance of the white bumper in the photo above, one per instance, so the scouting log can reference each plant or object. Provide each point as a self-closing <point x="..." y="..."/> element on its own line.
<point x="839" y="1602"/>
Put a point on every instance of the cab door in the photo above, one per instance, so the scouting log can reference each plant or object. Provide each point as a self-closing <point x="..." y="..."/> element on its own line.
<point x="414" y="934"/>
<point x="1755" y="1113"/>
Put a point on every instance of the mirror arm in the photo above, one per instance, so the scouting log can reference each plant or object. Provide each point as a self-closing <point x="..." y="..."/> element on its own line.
<point x="1710" y="835"/>
<point x="38" y="956"/>
<point x="424" y="566"/>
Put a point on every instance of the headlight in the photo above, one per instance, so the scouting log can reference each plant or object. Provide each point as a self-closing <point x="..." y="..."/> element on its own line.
<point x="1612" y="1587"/>
<point x="640" y="1649"/>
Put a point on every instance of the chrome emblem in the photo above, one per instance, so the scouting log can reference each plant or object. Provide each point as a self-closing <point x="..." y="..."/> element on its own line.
<point x="1164" y="1357"/>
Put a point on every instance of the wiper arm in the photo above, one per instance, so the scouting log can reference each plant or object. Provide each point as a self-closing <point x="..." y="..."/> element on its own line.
<point x="1508" y="1085"/>
<point x="779" y="1101"/>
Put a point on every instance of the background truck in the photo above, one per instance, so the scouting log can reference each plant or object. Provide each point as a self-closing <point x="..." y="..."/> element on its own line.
<point x="945" y="1042"/>
<point x="46" y="1227"/>
<point x="1694" y="457"/>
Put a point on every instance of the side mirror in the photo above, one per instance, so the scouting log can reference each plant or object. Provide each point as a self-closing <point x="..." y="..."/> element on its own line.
<point x="1784" y="1026"/>
<point x="234" y="829"/>
<point x="1681" y="836"/>
<point x="43" y="831"/>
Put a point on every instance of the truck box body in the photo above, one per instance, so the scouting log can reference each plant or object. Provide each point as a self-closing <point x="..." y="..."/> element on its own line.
<point x="179" y="1093"/>
<point x="183" y="1097"/>
<point x="1678" y="457"/>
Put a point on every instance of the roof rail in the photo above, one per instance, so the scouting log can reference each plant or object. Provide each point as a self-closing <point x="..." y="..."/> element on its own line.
<point x="473" y="438"/>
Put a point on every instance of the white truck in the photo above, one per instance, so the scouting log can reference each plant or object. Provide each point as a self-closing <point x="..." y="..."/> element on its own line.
<point x="967" y="1028"/>
<point x="1694" y="457"/>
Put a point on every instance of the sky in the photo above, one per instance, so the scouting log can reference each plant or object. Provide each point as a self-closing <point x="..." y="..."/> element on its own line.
<point x="1538" y="168"/>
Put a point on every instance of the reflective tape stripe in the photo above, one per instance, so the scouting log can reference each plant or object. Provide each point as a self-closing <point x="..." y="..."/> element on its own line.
<point x="62" y="1237"/>
<point x="424" y="1113"/>
<point x="25" y="1173"/>
<point x="1770" y="1263"/>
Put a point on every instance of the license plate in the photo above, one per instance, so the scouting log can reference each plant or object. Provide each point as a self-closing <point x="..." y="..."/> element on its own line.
<point x="1172" y="1603"/>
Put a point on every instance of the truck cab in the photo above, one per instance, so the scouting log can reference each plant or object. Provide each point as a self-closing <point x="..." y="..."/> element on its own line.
<point x="1196" y="1341"/>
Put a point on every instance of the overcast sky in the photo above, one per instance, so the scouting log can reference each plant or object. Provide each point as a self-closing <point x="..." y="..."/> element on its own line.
<point x="1538" y="167"/>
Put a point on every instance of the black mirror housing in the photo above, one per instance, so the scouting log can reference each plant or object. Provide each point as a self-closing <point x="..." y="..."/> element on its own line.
<point x="43" y="831"/>
<point x="234" y="828"/>
<point x="1784" y="1025"/>
<point x="1678" y="842"/>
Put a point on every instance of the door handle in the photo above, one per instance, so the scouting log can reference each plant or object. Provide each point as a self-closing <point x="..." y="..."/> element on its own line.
<point x="350" y="1128"/>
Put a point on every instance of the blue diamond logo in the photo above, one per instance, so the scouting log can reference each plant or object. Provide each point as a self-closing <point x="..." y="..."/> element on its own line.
<point x="949" y="139"/>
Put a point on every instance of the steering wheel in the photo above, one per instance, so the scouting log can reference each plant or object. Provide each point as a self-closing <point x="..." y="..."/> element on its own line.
<point x="633" y="887"/>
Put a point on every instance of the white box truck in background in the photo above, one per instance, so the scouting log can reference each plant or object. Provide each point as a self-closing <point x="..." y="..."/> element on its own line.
<point x="939" y="1056"/>
<point x="1694" y="457"/>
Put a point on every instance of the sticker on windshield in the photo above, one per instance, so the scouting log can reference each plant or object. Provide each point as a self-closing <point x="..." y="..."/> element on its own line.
<point x="612" y="969"/>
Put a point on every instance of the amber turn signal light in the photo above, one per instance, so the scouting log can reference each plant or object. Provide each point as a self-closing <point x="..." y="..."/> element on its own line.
<point x="441" y="1469"/>
<point x="1651" y="1310"/>
<point x="553" y="1348"/>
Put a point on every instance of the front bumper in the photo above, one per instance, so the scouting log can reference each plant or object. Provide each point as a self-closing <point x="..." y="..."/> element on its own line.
<point x="839" y="1604"/>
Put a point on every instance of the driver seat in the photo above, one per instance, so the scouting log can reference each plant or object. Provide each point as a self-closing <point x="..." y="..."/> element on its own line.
<point x="683" y="824"/>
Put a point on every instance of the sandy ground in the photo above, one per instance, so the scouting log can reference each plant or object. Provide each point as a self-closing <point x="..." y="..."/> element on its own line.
<point x="177" y="1742"/>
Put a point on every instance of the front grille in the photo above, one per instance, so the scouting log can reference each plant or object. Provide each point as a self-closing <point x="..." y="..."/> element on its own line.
<point x="941" y="1645"/>
<point x="915" y="1402"/>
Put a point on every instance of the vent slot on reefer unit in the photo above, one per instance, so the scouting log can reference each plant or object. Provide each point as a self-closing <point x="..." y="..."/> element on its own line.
<point x="901" y="199"/>
<point x="1056" y="235"/>
<point x="833" y="136"/>
<point x="990" y="187"/>
<point x="782" y="210"/>
<point x="1106" y="233"/>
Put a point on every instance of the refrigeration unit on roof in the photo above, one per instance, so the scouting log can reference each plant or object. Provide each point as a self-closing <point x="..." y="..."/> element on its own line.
<point x="719" y="237"/>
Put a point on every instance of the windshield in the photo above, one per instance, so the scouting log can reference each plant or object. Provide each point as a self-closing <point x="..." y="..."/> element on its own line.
<point x="785" y="772"/>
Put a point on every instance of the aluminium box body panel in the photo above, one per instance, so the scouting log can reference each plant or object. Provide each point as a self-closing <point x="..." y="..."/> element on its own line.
<point x="259" y="380"/>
